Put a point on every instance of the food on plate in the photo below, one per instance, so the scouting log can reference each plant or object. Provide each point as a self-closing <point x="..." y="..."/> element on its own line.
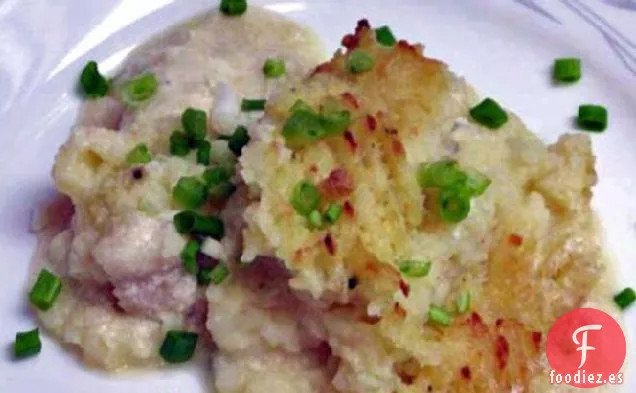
<point x="361" y="224"/>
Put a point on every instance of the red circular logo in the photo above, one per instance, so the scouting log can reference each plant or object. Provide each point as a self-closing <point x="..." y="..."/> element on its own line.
<point x="586" y="348"/>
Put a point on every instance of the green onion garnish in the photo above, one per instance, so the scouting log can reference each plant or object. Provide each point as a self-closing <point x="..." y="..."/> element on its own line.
<point x="315" y="219"/>
<point x="139" y="155"/>
<point x="187" y="222"/>
<point x="454" y="206"/>
<point x="477" y="183"/>
<point x="189" y="193"/>
<point x="415" y="269"/>
<point x="441" y="174"/>
<point x="218" y="182"/>
<point x="238" y="139"/>
<point x="463" y="302"/>
<point x="140" y="89"/>
<point x="45" y="291"/>
<point x="333" y="213"/>
<point x="178" y="346"/>
<point x="488" y="113"/>
<point x="233" y="7"/>
<point x="204" y="277"/>
<point x="219" y="273"/>
<point x="385" y="36"/>
<point x="305" y="198"/>
<point x="625" y="299"/>
<point x="252" y="105"/>
<point x="567" y="70"/>
<point x="300" y="105"/>
<point x="179" y="144"/>
<point x="274" y="68"/>
<point x="203" y="152"/>
<point x="303" y="128"/>
<point x="93" y="83"/>
<point x="195" y="123"/>
<point x="27" y="344"/>
<point x="440" y="316"/>
<point x="334" y="118"/>
<point x="359" y="61"/>
<point x="592" y="118"/>
<point x="189" y="256"/>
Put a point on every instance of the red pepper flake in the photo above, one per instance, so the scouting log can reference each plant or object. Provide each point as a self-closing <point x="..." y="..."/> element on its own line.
<point x="351" y="100"/>
<point x="515" y="240"/>
<point x="338" y="184"/>
<point x="313" y="168"/>
<point x="324" y="67"/>
<point x="390" y="131"/>
<point x="372" y="123"/>
<point x="398" y="149"/>
<point x="406" y="378"/>
<point x="502" y="351"/>
<point x="350" y="41"/>
<point x="330" y="244"/>
<point x="323" y="352"/>
<point x="405" y="288"/>
<point x="475" y="320"/>
<point x="403" y="44"/>
<point x="349" y="209"/>
<point x="362" y="24"/>
<point x="351" y="140"/>
<point x="399" y="311"/>
<point x="466" y="374"/>
<point x="499" y="322"/>
<point x="536" y="340"/>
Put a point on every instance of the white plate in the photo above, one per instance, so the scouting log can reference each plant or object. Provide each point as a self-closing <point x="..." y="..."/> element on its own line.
<point x="504" y="48"/>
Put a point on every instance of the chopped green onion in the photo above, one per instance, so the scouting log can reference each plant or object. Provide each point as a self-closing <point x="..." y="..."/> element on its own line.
<point x="203" y="152"/>
<point x="567" y="70"/>
<point x="315" y="219"/>
<point x="178" y="346"/>
<point x="415" y="269"/>
<point x="334" y="118"/>
<point x="453" y="205"/>
<point x="93" y="84"/>
<point x="45" y="291"/>
<point x="274" y="68"/>
<point x="625" y="299"/>
<point x="305" y="198"/>
<point x="360" y="61"/>
<point x="179" y="144"/>
<point x="333" y="213"/>
<point x="184" y="222"/>
<point x="204" y="277"/>
<point x="252" y="105"/>
<point x="195" y="123"/>
<point x="439" y="316"/>
<point x="303" y="128"/>
<point x="385" y="36"/>
<point x="139" y="155"/>
<point x="215" y="176"/>
<point x="592" y="118"/>
<point x="488" y="113"/>
<point x="140" y="89"/>
<point x="189" y="256"/>
<point x="300" y="105"/>
<point x="233" y="7"/>
<point x="477" y="183"/>
<point x="27" y="344"/>
<point x="463" y="302"/>
<point x="239" y="139"/>
<point x="441" y="174"/>
<point x="187" y="222"/>
<point x="189" y="193"/>
<point x="219" y="274"/>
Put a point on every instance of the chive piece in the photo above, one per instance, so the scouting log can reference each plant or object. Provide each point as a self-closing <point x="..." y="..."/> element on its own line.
<point x="27" y="344"/>
<point x="303" y="128"/>
<point x="178" y="346"/>
<point x="238" y="139"/>
<point x="567" y="70"/>
<point x="333" y="213"/>
<point x="360" y="61"/>
<point x="189" y="193"/>
<point x="315" y="219"/>
<point x="592" y="118"/>
<point x="219" y="273"/>
<point x="335" y="119"/>
<point x="385" y="36"/>
<point x="204" y="277"/>
<point x="305" y="198"/>
<point x="189" y="256"/>
<point x="441" y="174"/>
<point x="252" y="105"/>
<point x="203" y="152"/>
<point x="45" y="291"/>
<point x="463" y="302"/>
<point x="453" y="205"/>
<point x="92" y="83"/>
<point x="184" y="222"/>
<point x="477" y="183"/>
<point x="274" y="68"/>
<point x="625" y="299"/>
<point x="300" y="105"/>
<point x="179" y="144"/>
<point x="415" y="269"/>
<point x="139" y="155"/>
<point x="439" y="316"/>
<point x="218" y="182"/>
<point x="140" y="89"/>
<point x="187" y="222"/>
<point x="195" y="123"/>
<point x="488" y="113"/>
<point x="233" y="7"/>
